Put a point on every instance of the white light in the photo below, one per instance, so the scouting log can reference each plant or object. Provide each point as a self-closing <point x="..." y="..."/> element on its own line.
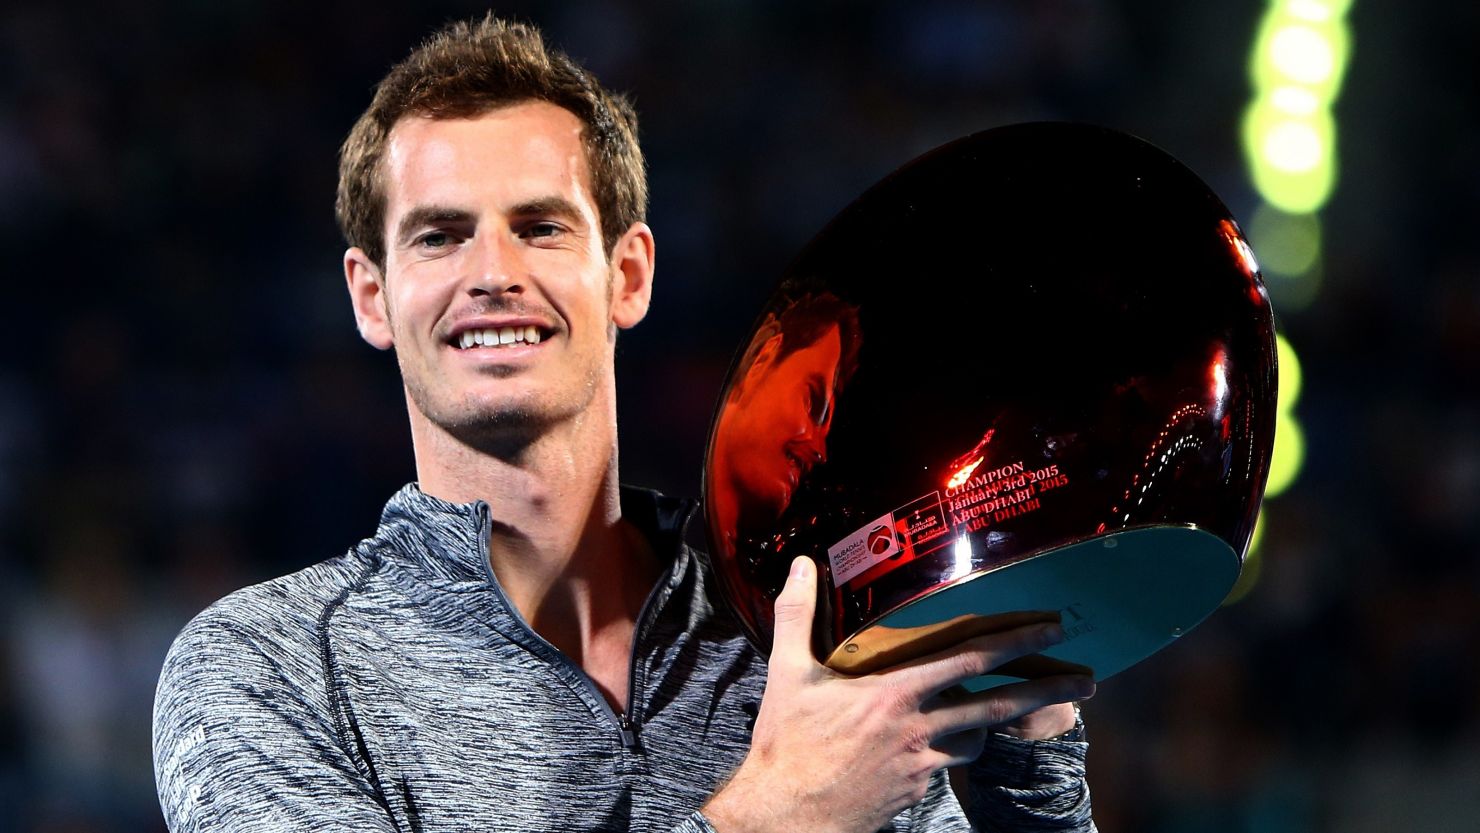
<point x="1246" y="254"/>
<point x="1302" y="54"/>
<point x="1293" y="147"/>
<point x="1295" y="101"/>
<point x="962" y="553"/>
<point x="1313" y="10"/>
<point x="1220" y="389"/>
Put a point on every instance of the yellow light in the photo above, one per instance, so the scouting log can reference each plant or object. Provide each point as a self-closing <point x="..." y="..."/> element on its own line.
<point x="1291" y="158"/>
<point x="1289" y="244"/>
<point x="1289" y="438"/>
<point x="1291" y="376"/>
<point x="1313" y="11"/>
<point x="1302" y="53"/>
<point x="1297" y="65"/>
<point x="1288" y="456"/>
<point x="1294" y="101"/>
<point x="1293" y="147"/>
<point x="1253" y="565"/>
<point x="1293" y="50"/>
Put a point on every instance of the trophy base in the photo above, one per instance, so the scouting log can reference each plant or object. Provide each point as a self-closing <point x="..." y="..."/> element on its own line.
<point x="1121" y="597"/>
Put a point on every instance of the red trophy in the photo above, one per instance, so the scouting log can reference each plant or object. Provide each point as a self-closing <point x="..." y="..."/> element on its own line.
<point x="1029" y="375"/>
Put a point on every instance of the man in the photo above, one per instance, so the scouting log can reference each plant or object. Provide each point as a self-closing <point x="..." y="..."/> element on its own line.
<point x="523" y="644"/>
<point x="772" y="428"/>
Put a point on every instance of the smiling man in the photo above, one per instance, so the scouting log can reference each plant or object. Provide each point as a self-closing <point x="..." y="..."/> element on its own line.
<point x="524" y="644"/>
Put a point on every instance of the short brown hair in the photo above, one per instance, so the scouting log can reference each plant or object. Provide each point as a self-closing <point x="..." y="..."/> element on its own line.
<point x="801" y="321"/>
<point x="467" y="69"/>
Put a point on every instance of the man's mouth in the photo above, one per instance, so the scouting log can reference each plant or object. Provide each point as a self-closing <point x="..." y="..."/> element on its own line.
<point x="799" y="463"/>
<point x="498" y="337"/>
<point x="796" y="463"/>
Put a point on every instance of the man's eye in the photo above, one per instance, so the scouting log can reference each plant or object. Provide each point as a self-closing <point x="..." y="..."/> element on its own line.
<point x="818" y="404"/>
<point x="541" y="230"/>
<point x="435" y="240"/>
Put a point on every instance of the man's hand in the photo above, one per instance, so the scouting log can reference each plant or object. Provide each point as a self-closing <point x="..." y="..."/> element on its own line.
<point x="845" y="754"/>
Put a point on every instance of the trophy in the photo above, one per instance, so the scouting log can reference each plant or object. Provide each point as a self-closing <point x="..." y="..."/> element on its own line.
<point x="1028" y="376"/>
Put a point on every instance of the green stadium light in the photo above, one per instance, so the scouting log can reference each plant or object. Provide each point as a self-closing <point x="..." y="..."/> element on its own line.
<point x="1253" y="564"/>
<point x="1289" y="244"/>
<point x="1289" y="437"/>
<point x="1297" y="65"/>
<point x="1289" y="455"/>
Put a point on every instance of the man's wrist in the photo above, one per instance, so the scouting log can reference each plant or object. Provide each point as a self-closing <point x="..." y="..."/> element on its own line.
<point x="1012" y="762"/>
<point x="1054" y="723"/>
<point x="1075" y="733"/>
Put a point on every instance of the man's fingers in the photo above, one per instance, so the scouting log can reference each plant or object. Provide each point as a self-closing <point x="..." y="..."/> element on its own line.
<point x="1005" y="703"/>
<point x="961" y="748"/>
<point x="977" y="656"/>
<point x="792" y="639"/>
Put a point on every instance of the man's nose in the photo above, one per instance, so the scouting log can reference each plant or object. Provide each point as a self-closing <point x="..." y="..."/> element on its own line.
<point x="815" y="443"/>
<point x="494" y="268"/>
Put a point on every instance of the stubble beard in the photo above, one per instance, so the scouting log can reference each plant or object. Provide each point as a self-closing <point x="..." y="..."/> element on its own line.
<point x="502" y="429"/>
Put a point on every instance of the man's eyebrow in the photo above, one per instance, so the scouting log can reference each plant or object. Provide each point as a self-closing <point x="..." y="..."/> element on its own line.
<point x="554" y="205"/>
<point x="428" y="215"/>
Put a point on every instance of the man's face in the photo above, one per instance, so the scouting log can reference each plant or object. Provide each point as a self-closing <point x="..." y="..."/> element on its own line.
<point x="777" y="423"/>
<point x="497" y="294"/>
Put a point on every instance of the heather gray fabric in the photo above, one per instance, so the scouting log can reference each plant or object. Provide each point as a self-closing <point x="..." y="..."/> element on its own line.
<point x="395" y="688"/>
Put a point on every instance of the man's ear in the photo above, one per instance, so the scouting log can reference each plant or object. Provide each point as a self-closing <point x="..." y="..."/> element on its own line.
<point x="632" y="263"/>
<point x="367" y="296"/>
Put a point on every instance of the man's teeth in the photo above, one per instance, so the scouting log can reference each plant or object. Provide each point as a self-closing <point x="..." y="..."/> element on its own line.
<point x="499" y="337"/>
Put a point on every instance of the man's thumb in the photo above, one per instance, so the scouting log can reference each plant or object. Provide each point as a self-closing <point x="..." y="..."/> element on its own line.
<point x="792" y="639"/>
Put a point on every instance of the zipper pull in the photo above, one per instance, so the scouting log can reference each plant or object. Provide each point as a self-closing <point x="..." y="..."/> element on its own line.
<point x="629" y="731"/>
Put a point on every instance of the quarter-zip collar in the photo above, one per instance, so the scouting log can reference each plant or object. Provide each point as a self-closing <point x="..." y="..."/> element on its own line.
<point x="447" y="544"/>
<point x="444" y="540"/>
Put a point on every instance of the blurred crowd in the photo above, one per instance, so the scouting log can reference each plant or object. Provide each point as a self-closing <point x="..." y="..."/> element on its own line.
<point x="185" y="407"/>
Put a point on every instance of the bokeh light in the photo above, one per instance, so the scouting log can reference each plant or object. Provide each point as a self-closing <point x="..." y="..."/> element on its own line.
<point x="1289" y="244"/>
<point x="1297" y="65"/>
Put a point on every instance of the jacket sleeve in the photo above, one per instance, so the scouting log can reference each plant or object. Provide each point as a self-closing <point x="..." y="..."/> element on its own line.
<point x="1016" y="786"/>
<point x="245" y="738"/>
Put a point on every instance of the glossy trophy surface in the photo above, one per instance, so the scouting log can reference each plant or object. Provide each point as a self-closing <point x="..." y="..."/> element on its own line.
<point x="1030" y="374"/>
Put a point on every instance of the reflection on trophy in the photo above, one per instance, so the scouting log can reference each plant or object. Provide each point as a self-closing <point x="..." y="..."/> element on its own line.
<point x="773" y="423"/>
<point x="1028" y="376"/>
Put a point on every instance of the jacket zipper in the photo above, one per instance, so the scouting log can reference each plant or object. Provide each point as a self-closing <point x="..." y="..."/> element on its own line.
<point x="639" y="629"/>
<point x="626" y="727"/>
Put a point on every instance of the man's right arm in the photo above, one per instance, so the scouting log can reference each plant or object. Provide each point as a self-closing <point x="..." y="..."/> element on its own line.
<point x="245" y="741"/>
<point x="846" y="754"/>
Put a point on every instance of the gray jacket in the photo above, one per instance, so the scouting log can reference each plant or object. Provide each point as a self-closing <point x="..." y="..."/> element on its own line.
<point x="395" y="688"/>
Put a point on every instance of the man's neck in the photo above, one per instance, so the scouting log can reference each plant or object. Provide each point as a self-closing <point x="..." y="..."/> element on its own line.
<point x="561" y="552"/>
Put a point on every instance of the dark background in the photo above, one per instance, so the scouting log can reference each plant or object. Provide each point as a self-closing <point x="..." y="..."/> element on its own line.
<point x="185" y="407"/>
